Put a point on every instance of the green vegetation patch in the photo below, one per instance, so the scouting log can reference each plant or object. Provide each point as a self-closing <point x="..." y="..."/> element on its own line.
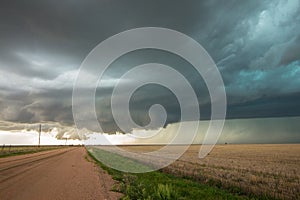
<point x="157" y="185"/>
<point x="119" y="162"/>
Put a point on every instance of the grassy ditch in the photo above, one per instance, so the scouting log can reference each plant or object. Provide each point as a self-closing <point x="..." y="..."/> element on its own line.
<point x="158" y="185"/>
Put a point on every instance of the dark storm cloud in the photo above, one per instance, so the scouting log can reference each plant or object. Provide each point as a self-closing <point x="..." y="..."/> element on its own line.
<point x="267" y="106"/>
<point x="291" y="53"/>
<point x="29" y="106"/>
<point x="254" y="43"/>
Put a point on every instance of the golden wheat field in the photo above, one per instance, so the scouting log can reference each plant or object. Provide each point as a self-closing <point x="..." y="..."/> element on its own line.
<point x="271" y="170"/>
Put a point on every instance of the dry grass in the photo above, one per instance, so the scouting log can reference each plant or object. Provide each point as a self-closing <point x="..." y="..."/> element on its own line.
<point x="262" y="169"/>
<point x="10" y="150"/>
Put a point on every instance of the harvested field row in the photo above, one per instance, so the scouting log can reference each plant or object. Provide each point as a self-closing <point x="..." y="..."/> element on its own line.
<point x="261" y="169"/>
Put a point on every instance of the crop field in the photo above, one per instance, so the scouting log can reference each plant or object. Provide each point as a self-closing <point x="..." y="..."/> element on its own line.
<point x="271" y="170"/>
<point x="155" y="185"/>
<point x="261" y="170"/>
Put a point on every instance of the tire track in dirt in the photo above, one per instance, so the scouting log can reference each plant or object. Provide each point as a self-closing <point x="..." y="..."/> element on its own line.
<point x="58" y="174"/>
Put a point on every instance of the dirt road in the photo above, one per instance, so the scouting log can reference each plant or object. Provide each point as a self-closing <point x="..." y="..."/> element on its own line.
<point x="57" y="174"/>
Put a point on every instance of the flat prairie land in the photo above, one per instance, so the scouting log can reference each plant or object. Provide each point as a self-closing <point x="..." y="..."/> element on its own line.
<point x="263" y="170"/>
<point x="10" y="150"/>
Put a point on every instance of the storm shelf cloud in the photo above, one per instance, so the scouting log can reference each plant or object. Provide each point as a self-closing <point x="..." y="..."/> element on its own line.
<point x="255" y="45"/>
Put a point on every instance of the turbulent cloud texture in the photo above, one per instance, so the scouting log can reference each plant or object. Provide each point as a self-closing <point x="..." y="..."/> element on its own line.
<point x="255" y="45"/>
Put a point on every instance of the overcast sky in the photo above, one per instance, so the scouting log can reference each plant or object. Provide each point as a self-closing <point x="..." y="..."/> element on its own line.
<point x="255" y="44"/>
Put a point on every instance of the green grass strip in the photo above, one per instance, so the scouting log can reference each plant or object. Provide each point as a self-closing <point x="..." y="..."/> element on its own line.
<point x="157" y="185"/>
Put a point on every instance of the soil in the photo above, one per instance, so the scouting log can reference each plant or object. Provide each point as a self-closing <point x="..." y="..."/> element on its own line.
<point x="66" y="173"/>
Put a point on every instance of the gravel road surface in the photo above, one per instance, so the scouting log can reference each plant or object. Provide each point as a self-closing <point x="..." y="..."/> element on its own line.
<point x="66" y="173"/>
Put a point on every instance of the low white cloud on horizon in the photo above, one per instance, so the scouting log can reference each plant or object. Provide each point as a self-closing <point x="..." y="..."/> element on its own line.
<point x="31" y="138"/>
<point x="258" y="130"/>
